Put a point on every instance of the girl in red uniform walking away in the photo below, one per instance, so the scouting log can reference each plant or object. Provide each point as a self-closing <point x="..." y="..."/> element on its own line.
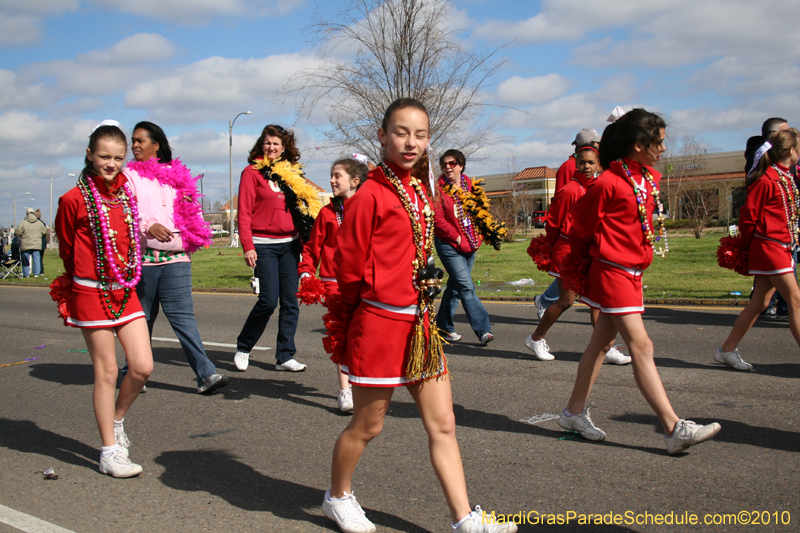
<point x="615" y="232"/>
<point x="347" y="175"/>
<point x="768" y="227"/>
<point x="97" y="227"/>
<point x="386" y="280"/>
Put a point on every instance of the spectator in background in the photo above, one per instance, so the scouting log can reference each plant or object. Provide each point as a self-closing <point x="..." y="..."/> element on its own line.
<point x="31" y="231"/>
<point x="45" y="238"/>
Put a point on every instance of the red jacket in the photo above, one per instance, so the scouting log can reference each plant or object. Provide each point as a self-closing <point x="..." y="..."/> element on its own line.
<point x="75" y="243"/>
<point x="763" y="211"/>
<point x="375" y="246"/>
<point x="262" y="210"/>
<point x="559" y="217"/>
<point x="447" y="226"/>
<point x="565" y="172"/>
<point x="321" y="246"/>
<point x="609" y="225"/>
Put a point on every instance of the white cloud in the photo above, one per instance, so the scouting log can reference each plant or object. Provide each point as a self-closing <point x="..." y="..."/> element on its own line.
<point x="199" y="11"/>
<point x="527" y="91"/>
<point x="16" y="94"/>
<point x="21" y="20"/>
<point x="27" y="139"/>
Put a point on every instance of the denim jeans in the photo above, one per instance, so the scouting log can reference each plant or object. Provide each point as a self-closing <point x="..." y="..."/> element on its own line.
<point x="550" y="296"/>
<point x="34" y="260"/>
<point x="276" y="270"/>
<point x="171" y="286"/>
<point x="460" y="287"/>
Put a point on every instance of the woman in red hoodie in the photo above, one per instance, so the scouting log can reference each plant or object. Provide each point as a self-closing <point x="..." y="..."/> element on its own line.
<point x="276" y="213"/>
<point x="383" y="264"/>
<point x="615" y="234"/>
<point x="97" y="226"/>
<point x="768" y="225"/>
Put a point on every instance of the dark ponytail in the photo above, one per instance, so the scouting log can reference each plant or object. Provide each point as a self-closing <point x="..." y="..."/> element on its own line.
<point x="635" y="126"/>
<point x="782" y="143"/>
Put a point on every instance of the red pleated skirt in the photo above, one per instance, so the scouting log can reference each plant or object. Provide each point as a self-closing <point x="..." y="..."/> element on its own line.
<point x="88" y="309"/>
<point x="613" y="290"/>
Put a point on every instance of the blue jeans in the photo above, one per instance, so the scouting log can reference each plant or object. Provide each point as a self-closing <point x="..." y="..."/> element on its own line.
<point x="171" y="286"/>
<point x="550" y="296"/>
<point x="34" y="260"/>
<point x="276" y="270"/>
<point x="460" y="287"/>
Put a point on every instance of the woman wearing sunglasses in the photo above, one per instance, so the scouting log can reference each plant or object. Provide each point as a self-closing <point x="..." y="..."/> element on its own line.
<point x="277" y="207"/>
<point x="457" y="241"/>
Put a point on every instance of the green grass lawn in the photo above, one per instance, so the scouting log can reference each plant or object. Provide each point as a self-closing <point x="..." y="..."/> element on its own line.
<point x="690" y="270"/>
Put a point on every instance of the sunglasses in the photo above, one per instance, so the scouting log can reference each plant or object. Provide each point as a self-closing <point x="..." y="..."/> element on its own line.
<point x="451" y="164"/>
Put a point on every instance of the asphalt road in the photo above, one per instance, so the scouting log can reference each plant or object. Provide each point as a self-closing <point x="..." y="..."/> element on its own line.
<point x="256" y="455"/>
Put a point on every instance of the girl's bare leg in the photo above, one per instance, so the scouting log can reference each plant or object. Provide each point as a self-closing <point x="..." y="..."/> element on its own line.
<point x="788" y="288"/>
<point x="344" y="382"/>
<point x="565" y="300"/>
<point x="594" y="313"/>
<point x="434" y="400"/>
<point x="100" y="343"/>
<point x="631" y="327"/>
<point x="135" y="339"/>
<point x="369" y="411"/>
<point x="589" y="366"/>
<point x="762" y="293"/>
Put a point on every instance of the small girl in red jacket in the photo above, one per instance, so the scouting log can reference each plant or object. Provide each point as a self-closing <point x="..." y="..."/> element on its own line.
<point x="347" y="175"/>
<point x="615" y="233"/>
<point x="768" y="226"/>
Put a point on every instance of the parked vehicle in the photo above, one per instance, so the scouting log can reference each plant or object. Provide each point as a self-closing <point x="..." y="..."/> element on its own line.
<point x="538" y="218"/>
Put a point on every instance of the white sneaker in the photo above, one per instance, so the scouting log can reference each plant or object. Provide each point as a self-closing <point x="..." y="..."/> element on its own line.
<point x="732" y="359"/>
<point x="122" y="439"/>
<point x="118" y="465"/>
<point x="540" y="309"/>
<point x="452" y="337"/>
<point x="345" y="400"/>
<point x="539" y="348"/>
<point x="241" y="360"/>
<point x="583" y="424"/>
<point x="479" y="522"/>
<point x="688" y="433"/>
<point x="347" y="514"/>
<point x="615" y="357"/>
<point x="291" y="366"/>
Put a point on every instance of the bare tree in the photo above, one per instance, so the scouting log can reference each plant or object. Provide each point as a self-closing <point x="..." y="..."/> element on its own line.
<point x="689" y="194"/>
<point x="373" y="52"/>
<point x="514" y="209"/>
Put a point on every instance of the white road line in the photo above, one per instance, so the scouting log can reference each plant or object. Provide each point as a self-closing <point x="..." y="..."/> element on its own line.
<point x="28" y="523"/>
<point x="206" y="343"/>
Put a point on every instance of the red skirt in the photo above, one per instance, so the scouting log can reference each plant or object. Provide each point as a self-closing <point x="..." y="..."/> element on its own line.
<point x="613" y="290"/>
<point x="378" y="342"/>
<point x="557" y="255"/>
<point x="88" y="309"/>
<point x="769" y="258"/>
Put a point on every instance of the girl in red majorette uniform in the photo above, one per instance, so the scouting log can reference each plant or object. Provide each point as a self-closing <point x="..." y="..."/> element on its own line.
<point x="387" y="287"/>
<point x="769" y="232"/>
<point x="97" y="227"/>
<point x="347" y="175"/>
<point x="614" y="235"/>
<point x="557" y="227"/>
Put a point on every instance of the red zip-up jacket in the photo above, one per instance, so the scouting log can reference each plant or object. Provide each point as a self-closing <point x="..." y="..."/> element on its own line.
<point x="609" y="226"/>
<point x="375" y="245"/>
<point x="565" y="172"/>
<point x="559" y="217"/>
<point x="763" y="211"/>
<point x="321" y="246"/>
<point x="75" y="243"/>
<point x="262" y="210"/>
<point x="447" y="227"/>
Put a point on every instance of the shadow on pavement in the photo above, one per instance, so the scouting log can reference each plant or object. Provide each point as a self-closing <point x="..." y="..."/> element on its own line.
<point x="733" y="432"/>
<point x="25" y="436"/>
<point x="219" y="473"/>
<point x="63" y="373"/>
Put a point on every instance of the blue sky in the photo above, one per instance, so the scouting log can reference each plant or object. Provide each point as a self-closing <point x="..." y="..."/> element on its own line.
<point x="716" y="69"/>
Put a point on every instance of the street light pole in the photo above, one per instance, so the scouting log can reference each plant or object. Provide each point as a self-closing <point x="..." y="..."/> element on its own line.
<point x="51" y="203"/>
<point x="230" y="169"/>
<point x="15" y="207"/>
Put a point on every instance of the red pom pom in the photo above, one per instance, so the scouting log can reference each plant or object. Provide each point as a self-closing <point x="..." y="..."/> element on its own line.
<point x="575" y="272"/>
<point x="61" y="292"/>
<point x="312" y="290"/>
<point x="540" y="250"/>
<point x="337" y="322"/>
<point x="731" y="256"/>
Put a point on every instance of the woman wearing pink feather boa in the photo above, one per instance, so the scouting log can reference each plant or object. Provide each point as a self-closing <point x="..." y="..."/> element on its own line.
<point x="171" y="229"/>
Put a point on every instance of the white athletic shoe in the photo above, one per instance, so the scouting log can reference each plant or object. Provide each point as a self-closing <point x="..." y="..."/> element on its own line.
<point x="345" y="400"/>
<point x="582" y="423"/>
<point x="291" y="366"/>
<point x="122" y="439"/>
<point x="452" y="337"/>
<point x="687" y="433"/>
<point x="347" y="514"/>
<point x="539" y="348"/>
<point x="241" y="360"/>
<point x="118" y="465"/>
<point x="479" y="522"/>
<point x="732" y="359"/>
<point x="615" y="357"/>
